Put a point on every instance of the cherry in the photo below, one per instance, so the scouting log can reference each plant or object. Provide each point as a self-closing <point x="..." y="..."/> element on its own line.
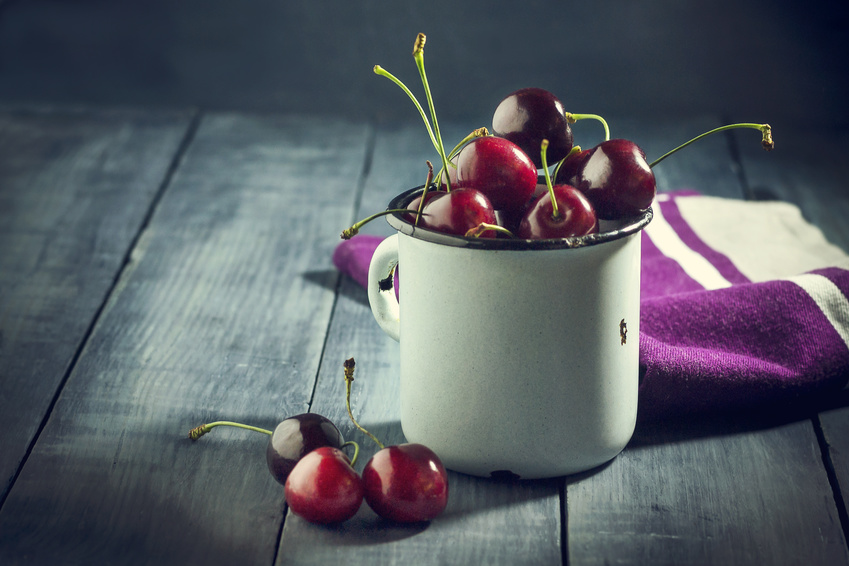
<point x="499" y="169"/>
<point x="291" y="440"/>
<point x="575" y="216"/>
<point x="324" y="488"/>
<point x="458" y="212"/>
<point x="295" y="437"/>
<point x="530" y="115"/>
<point x="562" y="212"/>
<point x="406" y="483"/>
<point x="616" y="178"/>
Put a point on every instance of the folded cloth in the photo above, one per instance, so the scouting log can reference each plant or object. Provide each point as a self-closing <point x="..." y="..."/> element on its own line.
<point x="743" y="305"/>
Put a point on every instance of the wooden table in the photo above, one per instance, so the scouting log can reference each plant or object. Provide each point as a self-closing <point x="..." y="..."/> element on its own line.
<point x="162" y="269"/>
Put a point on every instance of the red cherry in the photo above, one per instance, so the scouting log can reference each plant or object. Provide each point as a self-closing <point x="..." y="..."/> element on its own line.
<point x="499" y="169"/>
<point x="458" y="212"/>
<point x="406" y="483"/>
<point x="575" y="216"/>
<point x="616" y="178"/>
<point x="530" y="115"/>
<point x="568" y="170"/>
<point x="413" y="206"/>
<point x="323" y="487"/>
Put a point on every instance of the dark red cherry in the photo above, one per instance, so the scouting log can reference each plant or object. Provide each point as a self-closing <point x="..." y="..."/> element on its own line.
<point x="324" y="488"/>
<point x="575" y="216"/>
<point x="406" y="483"/>
<point x="413" y="205"/>
<point x="295" y="437"/>
<point x="458" y="212"/>
<point x="530" y="115"/>
<point x="617" y="179"/>
<point x="499" y="169"/>
<point x="568" y="170"/>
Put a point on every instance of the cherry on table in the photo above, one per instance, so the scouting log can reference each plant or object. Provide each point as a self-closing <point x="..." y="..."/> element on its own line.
<point x="530" y="115"/>
<point x="297" y="436"/>
<point x="324" y="488"/>
<point x="406" y="483"/>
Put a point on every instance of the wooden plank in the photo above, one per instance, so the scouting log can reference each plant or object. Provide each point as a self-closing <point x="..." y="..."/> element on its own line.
<point x="75" y="188"/>
<point x="707" y="492"/>
<point x="744" y="492"/>
<point x="221" y="314"/>
<point x="810" y="170"/>
<point x="486" y="522"/>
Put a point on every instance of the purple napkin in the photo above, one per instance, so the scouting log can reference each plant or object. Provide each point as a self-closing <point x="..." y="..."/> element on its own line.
<point x="743" y="304"/>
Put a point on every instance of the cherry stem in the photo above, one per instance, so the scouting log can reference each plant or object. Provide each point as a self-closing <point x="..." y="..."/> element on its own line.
<point x="575" y="149"/>
<point x="349" y="366"/>
<point x="197" y="432"/>
<point x="378" y="70"/>
<point x="424" y="192"/>
<point x="555" y="213"/>
<point x="572" y="118"/>
<point x="349" y="233"/>
<point x="486" y="227"/>
<point x="478" y="133"/>
<point x="356" y="451"/>
<point x="418" y="56"/>
<point x="765" y="129"/>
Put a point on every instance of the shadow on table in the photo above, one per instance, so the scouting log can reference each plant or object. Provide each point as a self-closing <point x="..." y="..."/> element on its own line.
<point x="690" y="427"/>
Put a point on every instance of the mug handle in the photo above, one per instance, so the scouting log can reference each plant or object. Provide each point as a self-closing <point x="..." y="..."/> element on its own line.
<point x="381" y="287"/>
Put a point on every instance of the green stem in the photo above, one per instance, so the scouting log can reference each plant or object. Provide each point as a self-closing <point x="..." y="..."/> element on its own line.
<point x="555" y="213"/>
<point x="349" y="366"/>
<point x="486" y="227"/>
<point x="572" y="118"/>
<point x="424" y="192"/>
<point x="349" y="233"/>
<point x="356" y="451"/>
<point x="197" y="432"/>
<point x="378" y="70"/>
<point x="575" y="149"/>
<point x="765" y="130"/>
<point x="418" y="56"/>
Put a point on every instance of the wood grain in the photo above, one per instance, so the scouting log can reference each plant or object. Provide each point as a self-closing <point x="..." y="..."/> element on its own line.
<point x="221" y="314"/>
<point x="486" y="522"/>
<point x="75" y="189"/>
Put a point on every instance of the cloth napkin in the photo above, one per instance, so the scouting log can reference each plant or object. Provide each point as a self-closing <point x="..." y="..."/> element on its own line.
<point x="743" y="305"/>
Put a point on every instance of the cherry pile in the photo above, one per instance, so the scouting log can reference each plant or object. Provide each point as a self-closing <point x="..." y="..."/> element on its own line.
<point x="490" y="185"/>
<point x="405" y="483"/>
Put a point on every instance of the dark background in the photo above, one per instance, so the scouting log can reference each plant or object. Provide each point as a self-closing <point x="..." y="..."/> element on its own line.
<point x="742" y="60"/>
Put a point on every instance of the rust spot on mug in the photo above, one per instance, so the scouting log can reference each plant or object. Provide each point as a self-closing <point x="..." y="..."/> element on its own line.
<point x="623" y="331"/>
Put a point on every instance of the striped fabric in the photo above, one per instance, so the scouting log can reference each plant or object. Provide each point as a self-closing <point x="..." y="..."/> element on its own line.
<point x="743" y="305"/>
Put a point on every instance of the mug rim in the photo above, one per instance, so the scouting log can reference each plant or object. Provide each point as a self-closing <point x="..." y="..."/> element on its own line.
<point x="628" y="227"/>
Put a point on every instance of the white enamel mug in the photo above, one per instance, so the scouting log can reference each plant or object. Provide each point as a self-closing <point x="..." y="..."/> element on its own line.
<point x="518" y="358"/>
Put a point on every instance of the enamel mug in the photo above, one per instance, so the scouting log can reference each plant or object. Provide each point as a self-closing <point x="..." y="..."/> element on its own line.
<point x="518" y="358"/>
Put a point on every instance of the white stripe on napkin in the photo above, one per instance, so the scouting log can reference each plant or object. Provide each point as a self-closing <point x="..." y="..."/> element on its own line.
<point x="829" y="299"/>
<point x="670" y="244"/>
<point x="764" y="240"/>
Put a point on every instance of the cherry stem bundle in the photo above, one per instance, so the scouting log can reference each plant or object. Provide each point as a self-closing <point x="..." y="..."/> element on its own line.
<point x="418" y="56"/>
<point x="765" y="130"/>
<point x="199" y="431"/>
<point x="349" y="367"/>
